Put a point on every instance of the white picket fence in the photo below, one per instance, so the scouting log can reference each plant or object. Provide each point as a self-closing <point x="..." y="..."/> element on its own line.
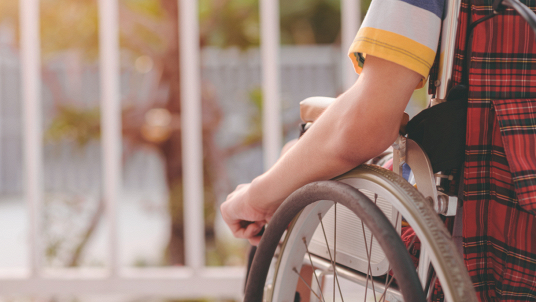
<point x="194" y="280"/>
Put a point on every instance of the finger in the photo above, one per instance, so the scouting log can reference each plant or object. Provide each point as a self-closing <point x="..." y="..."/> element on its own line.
<point x="255" y="240"/>
<point x="243" y="229"/>
<point x="237" y="229"/>
<point x="253" y="229"/>
<point x="244" y="224"/>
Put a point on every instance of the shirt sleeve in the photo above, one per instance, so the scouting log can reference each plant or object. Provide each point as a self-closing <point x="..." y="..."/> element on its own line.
<point x="405" y="32"/>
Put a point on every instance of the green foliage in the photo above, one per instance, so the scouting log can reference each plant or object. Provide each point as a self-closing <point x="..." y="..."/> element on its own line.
<point x="229" y="23"/>
<point x="255" y="96"/>
<point x="76" y="124"/>
<point x="364" y="7"/>
<point x="175" y="205"/>
<point x="226" y="253"/>
<point x="152" y="8"/>
<point x="255" y="133"/>
<point x="310" y="21"/>
<point x="236" y="22"/>
<point x="69" y="24"/>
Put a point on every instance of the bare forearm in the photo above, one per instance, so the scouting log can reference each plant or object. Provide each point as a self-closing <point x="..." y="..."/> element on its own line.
<point x="360" y="124"/>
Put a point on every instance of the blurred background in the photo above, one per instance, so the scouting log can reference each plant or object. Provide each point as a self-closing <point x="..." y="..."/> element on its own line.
<point x="150" y="208"/>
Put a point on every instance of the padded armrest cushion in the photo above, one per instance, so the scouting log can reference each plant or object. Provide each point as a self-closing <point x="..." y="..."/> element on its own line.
<point x="311" y="108"/>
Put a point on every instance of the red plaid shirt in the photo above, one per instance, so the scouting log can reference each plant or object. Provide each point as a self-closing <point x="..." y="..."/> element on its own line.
<point x="499" y="226"/>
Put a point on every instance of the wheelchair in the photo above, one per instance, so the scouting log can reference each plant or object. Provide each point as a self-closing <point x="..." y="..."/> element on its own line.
<point x="347" y="239"/>
<point x="341" y="239"/>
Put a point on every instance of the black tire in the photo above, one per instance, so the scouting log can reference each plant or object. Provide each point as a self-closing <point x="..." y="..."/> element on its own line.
<point x="384" y="232"/>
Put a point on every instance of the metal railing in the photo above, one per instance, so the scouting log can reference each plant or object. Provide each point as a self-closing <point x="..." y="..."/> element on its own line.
<point x="194" y="280"/>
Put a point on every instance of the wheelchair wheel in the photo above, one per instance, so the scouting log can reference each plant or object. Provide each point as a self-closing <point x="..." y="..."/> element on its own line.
<point x="368" y="247"/>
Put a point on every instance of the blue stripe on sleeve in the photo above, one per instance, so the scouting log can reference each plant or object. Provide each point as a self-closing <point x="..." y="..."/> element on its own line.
<point x="434" y="6"/>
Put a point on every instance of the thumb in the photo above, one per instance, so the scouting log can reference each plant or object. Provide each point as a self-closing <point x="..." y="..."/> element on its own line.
<point x="253" y="229"/>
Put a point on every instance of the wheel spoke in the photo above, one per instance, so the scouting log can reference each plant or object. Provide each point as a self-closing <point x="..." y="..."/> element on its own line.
<point x="383" y="296"/>
<point x="369" y="270"/>
<point x="330" y="257"/>
<point x="369" y="254"/>
<point x="335" y="249"/>
<point x="312" y="267"/>
<point x="431" y="288"/>
<point x="306" y="284"/>
<point x="430" y="277"/>
<point x="392" y="278"/>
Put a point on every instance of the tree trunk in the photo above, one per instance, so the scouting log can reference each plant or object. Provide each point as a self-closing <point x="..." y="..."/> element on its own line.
<point x="213" y="158"/>
<point x="172" y="148"/>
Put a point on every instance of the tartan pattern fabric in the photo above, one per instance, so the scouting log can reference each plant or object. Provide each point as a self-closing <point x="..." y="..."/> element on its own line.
<point x="517" y="123"/>
<point x="499" y="226"/>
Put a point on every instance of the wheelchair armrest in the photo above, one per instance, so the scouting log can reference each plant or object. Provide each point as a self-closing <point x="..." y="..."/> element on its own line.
<point x="311" y="108"/>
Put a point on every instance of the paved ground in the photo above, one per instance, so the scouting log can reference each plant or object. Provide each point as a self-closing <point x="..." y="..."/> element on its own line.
<point x="143" y="234"/>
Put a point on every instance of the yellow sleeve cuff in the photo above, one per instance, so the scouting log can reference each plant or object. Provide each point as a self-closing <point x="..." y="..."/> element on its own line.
<point x="392" y="47"/>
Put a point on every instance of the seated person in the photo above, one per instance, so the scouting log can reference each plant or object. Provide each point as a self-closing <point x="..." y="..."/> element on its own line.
<point x="399" y="39"/>
<point x="361" y="123"/>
